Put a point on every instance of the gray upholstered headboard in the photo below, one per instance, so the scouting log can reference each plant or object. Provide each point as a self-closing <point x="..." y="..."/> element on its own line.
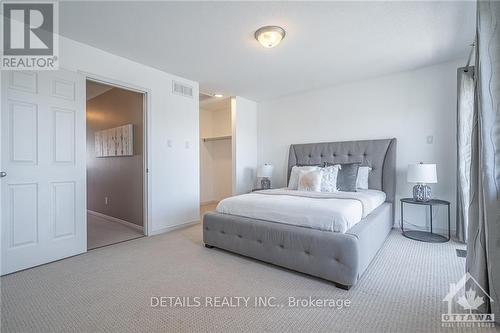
<point x="380" y="155"/>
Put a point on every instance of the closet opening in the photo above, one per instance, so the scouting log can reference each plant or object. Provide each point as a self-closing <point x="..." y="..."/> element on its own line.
<point x="116" y="152"/>
<point x="216" y="151"/>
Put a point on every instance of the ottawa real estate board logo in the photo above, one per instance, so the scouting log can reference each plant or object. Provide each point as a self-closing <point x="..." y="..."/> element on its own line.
<point x="466" y="300"/>
<point x="30" y="39"/>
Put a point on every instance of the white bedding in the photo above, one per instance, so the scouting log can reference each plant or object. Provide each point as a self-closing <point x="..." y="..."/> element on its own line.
<point x="336" y="211"/>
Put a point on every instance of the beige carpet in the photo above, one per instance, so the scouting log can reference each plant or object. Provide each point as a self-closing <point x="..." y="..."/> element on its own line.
<point x="109" y="290"/>
<point x="102" y="232"/>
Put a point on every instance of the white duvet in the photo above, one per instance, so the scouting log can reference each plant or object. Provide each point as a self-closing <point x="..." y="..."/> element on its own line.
<point x="336" y="211"/>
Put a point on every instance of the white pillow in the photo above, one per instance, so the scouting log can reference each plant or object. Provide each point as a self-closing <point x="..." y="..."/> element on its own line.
<point x="293" y="183"/>
<point x="329" y="180"/>
<point x="310" y="180"/>
<point x="362" y="180"/>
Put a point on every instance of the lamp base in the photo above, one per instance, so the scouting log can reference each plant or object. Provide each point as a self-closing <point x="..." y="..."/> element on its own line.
<point x="422" y="192"/>
<point x="265" y="183"/>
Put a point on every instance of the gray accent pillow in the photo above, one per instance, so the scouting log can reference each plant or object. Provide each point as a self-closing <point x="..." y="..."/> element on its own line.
<point x="346" y="179"/>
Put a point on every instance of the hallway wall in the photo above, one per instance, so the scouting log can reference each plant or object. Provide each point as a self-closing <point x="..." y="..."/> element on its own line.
<point x="119" y="179"/>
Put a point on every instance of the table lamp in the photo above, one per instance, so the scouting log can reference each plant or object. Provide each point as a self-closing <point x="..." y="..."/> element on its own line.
<point x="265" y="172"/>
<point x="422" y="174"/>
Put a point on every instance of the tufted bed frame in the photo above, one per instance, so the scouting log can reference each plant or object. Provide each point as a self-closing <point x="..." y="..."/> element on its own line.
<point x="340" y="258"/>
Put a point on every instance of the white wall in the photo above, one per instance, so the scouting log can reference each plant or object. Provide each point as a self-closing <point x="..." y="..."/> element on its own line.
<point x="244" y="118"/>
<point x="173" y="171"/>
<point x="215" y="156"/>
<point x="409" y="106"/>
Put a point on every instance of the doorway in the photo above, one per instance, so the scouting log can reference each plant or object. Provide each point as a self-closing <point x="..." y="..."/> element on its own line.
<point x="116" y="154"/>
<point x="216" y="151"/>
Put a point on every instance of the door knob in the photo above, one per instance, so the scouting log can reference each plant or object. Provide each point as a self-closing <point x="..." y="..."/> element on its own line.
<point x="3" y="174"/>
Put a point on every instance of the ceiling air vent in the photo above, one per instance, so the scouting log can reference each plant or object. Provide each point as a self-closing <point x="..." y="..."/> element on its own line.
<point x="182" y="89"/>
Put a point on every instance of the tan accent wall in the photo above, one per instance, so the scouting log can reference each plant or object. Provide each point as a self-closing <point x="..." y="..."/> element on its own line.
<point x="120" y="179"/>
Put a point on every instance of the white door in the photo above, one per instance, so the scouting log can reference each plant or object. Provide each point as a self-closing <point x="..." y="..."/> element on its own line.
<point x="43" y="196"/>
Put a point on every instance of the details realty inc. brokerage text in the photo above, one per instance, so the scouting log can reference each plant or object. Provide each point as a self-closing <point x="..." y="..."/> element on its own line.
<point x="247" y="302"/>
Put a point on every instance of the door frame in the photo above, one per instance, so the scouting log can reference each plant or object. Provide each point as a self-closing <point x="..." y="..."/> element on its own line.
<point x="146" y="120"/>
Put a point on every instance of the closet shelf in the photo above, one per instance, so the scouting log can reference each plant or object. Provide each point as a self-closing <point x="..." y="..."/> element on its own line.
<point x="215" y="138"/>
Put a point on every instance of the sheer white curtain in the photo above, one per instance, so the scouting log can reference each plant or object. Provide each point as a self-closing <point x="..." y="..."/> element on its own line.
<point x="483" y="245"/>
<point x="466" y="140"/>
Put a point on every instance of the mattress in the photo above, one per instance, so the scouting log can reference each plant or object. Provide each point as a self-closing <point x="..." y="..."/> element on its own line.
<point x="335" y="212"/>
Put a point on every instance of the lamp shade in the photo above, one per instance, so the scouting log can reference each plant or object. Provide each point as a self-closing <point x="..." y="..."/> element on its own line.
<point x="422" y="173"/>
<point x="265" y="171"/>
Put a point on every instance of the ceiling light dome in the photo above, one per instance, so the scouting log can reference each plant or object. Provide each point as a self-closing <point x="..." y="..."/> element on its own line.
<point x="270" y="36"/>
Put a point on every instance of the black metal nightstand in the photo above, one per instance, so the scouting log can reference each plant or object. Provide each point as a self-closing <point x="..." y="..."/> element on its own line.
<point x="425" y="236"/>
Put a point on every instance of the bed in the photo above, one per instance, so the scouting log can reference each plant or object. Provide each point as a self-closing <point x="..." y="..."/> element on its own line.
<point x="340" y="257"/>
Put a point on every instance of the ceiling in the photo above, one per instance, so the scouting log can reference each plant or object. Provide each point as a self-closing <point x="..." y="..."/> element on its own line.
<point x="95" y="89"/>
<point x="214" y="103"/>
<point x="327" y="43"/>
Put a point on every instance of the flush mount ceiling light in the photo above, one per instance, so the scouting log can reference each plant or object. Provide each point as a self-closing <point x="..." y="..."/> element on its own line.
<point x="270" y="36"/>
<point x="218" y="95"/>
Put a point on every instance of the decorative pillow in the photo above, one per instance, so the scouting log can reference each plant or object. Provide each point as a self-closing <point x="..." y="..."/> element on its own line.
<point x="329" y="180"/>
<point x="310" y="180"/>
<point x="293" y="183"/>
<point x="346" y="179"/>
<point x="362" y="181"/>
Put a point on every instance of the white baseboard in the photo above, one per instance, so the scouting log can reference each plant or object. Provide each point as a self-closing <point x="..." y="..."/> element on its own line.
<point x="174" y="227"/>
<point x="115" y="219"/>
<point x="436" y="229"/>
